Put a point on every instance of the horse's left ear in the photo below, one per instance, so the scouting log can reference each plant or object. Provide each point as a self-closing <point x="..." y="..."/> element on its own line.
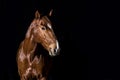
<point x="50" y="13"/>
<point x="37" y="14"/>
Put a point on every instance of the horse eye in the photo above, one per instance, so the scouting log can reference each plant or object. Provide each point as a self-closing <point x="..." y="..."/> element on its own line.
<point x="43" y="28"/>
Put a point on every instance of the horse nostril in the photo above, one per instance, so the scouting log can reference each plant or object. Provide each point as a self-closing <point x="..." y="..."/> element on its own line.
<point x="55" y="50"/>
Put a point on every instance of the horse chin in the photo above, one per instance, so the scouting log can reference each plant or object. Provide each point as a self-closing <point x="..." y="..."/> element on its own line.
<point x="52" y="54"/>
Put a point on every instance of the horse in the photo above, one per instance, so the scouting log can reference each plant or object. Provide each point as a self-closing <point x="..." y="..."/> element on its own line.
<point x="37" y="66"/>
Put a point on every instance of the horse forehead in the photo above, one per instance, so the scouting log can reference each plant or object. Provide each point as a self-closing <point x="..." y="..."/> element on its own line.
<point x="46" y="20"/>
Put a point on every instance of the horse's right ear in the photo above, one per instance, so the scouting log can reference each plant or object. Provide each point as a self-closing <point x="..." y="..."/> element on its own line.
<point x="37" y="14"/>
<point x="50" y="13"/>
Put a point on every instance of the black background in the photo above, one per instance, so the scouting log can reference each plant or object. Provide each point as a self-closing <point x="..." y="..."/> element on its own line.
<point x="84" y="30"/>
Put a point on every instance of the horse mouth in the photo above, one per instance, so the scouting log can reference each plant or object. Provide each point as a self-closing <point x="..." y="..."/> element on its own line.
<point x="51" y="53"/>
<point x="54" y="52"/>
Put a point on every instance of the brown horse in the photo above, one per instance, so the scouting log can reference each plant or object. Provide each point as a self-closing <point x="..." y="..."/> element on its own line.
<point x="36" y="66"/>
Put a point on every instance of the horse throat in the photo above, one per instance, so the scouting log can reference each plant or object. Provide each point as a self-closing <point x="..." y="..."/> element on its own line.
<point x="33" y="49"/>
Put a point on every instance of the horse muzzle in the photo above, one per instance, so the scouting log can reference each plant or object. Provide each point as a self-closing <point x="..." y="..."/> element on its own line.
<point x="54" y="49"/>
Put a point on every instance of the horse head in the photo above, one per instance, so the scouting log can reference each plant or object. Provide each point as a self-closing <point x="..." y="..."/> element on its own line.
<point x="42" y="32"/>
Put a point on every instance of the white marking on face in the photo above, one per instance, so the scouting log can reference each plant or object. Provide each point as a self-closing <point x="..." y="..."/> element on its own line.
<point x="57" y="45"/>
<point x="49" y="26"/>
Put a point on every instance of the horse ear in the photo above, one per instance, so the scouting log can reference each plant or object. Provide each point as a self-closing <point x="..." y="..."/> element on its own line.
<point x="37" y="14"/>
<point x="50" y="13"/>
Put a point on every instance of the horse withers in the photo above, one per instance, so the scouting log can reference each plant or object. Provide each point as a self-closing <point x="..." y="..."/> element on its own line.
<point x="37" y="66"/>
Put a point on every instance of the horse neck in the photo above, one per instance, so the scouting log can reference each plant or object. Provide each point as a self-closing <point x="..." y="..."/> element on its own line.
<point x="29" y="45"/>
